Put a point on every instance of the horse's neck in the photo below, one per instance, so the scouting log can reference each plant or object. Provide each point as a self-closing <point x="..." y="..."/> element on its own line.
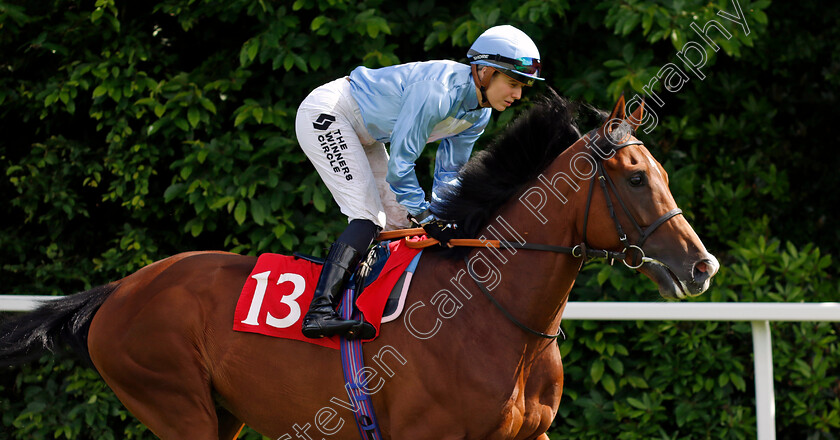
<point x="535" y="285"/>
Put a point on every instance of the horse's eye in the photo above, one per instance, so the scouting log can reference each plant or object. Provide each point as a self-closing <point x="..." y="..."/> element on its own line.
<point x="637" y="179"/>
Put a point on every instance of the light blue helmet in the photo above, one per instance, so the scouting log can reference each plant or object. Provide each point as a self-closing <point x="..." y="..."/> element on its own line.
<point x="508" y="50"/>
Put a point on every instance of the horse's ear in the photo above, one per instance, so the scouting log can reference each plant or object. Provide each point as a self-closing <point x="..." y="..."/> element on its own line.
<point x="635" y="120"/>
<point x="618" y="110"/>
<point x="615" y="119"/>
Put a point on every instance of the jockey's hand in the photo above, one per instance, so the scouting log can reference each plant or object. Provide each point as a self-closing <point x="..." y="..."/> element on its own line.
<point x="442" y="230"/>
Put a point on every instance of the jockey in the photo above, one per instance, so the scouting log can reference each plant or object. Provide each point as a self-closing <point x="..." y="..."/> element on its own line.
<point x="342" y="127"/>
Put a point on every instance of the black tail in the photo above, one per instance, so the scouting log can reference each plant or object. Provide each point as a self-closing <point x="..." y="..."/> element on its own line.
<point x="51" y="327"/>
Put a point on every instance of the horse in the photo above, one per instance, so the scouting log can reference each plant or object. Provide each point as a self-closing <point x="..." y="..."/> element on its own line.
<point x="457" y="365"/>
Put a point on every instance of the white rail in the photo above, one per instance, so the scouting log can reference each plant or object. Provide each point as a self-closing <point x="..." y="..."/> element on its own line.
<point x="22" y="303"/>
<point x="758" y="314"/>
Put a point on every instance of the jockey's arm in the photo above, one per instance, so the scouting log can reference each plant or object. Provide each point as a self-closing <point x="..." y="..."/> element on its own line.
<point x="424" y="105"/>
<point x="452" y="154"/>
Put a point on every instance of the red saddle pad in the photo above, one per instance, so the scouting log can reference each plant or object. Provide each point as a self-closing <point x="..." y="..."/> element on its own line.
<point x="279" y="289"/>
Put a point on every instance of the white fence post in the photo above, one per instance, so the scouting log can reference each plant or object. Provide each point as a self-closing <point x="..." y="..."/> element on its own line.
<point x="765" y="400"/>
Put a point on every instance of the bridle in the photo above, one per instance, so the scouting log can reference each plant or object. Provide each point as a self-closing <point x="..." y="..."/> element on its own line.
<point x="604" y="179"/>
<point x="582" y="250"/>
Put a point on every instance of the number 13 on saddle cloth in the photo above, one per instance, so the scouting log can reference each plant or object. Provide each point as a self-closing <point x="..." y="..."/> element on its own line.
<point x="279" y="289"/>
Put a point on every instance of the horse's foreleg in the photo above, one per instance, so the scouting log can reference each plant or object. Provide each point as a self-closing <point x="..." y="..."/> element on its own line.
<point x="229" y="425"/>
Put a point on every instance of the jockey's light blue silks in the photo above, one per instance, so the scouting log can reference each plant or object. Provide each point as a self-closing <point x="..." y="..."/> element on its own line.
<point x="412" y="104"/>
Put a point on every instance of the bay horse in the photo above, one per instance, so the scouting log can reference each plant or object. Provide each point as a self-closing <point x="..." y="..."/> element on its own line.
<point x="455" y="367"/>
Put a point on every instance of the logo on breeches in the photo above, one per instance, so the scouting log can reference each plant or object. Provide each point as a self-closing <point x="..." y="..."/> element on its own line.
<point x="333" y="146"/>
<point x="323" y="122"/>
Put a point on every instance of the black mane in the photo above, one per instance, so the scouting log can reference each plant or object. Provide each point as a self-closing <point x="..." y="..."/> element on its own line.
<point x="517" y="156"/>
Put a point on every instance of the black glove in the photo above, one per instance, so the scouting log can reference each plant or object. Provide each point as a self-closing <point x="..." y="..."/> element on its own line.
<point x="442" y="230"/>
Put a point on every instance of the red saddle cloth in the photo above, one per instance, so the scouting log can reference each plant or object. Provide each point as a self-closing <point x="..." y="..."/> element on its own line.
<point x="277" y="294"/>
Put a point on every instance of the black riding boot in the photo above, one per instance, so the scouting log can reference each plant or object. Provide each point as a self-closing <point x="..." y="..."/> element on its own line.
<point x="322" y="319"/>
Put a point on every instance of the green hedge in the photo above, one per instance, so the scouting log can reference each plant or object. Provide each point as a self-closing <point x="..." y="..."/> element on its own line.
<point x="135" y="130"/>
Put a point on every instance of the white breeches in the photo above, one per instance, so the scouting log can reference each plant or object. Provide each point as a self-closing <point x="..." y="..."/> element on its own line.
<point x="353" y="165"/>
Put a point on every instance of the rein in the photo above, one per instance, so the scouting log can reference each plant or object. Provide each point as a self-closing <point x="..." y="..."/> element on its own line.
<point x="578" y="251"/>
<point x="506" y="312"/>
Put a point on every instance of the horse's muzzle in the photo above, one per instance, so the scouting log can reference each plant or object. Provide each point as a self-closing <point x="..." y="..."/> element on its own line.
<point x="681" y="284"/>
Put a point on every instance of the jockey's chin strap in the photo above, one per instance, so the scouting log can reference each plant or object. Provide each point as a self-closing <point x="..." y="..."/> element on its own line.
<point x="482" y="84"/>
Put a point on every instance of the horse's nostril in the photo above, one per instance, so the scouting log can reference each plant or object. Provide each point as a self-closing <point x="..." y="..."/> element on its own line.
<point x="701" y="270"/>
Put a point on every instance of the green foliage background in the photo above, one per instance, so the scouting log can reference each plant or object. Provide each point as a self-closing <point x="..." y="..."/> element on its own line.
<point x="135" y="130"/>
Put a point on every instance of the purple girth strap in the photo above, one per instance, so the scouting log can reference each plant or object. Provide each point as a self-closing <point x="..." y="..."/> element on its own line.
<point x="352" y="362"/>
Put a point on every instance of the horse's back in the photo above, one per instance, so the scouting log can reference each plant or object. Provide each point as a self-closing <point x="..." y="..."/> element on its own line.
<point x="165" y="297"/>
<point x="170" y="284"/>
